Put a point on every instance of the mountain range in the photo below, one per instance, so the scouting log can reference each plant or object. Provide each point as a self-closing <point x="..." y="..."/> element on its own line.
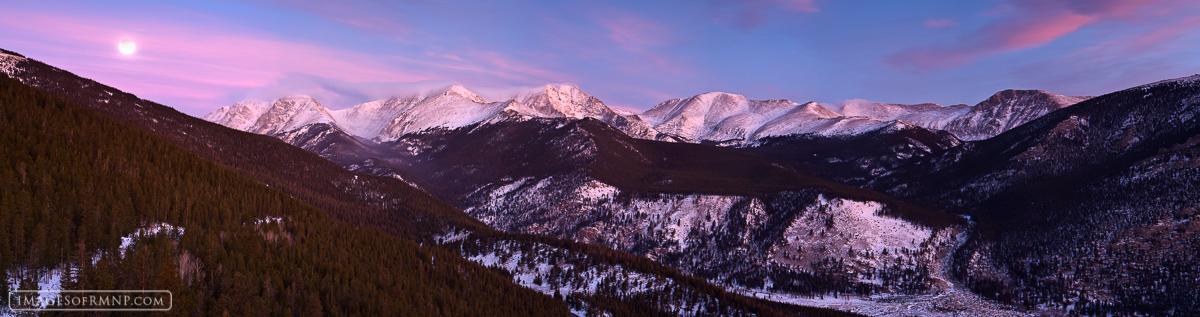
<point x="715" y="117"/>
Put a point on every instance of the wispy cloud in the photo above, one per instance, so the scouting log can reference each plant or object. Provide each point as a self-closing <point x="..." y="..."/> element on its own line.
<point x="1122" y="61"/>
<point x="335" y="93"/>
<point x="1024" y="24"/>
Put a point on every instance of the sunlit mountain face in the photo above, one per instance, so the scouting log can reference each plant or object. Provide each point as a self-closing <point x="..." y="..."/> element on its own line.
<point x="1004" y="158"/>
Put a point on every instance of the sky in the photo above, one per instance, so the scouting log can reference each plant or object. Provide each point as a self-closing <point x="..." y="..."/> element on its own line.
<point x="197" y="56"/>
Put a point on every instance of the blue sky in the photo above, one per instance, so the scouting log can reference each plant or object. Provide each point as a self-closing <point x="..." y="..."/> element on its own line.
<point x="200" y="55"/>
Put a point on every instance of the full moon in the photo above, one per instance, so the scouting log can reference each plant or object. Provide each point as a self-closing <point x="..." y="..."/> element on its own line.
<point x="127" y="46"/>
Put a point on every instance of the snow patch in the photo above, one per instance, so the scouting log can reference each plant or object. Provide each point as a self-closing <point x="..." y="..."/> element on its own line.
<point x="8" y="63"/>
<point x="151" y="230"/>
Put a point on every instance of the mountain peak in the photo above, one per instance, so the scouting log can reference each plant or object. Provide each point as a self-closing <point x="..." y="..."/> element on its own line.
<point x="562" y="88"/>
<point x="1005" y="110"/>
<point x="241" y="115"/>
<point x="298" y="98"/>
<point x="460" y="91"/>
<point x="811" y="107"/>
<point x="559" y="100"/>
<point x="289" y="113"/>
<point x="717" y="95"/>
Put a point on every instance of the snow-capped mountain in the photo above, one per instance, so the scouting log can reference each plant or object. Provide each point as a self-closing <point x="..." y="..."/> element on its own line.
<point x="1001" y="112"/>
<point x="369" y="119"/>
<point x="242" y="115"/>
<point x="450" y="108"/>
<point x="715" y="117"/>
<point x="928" y="115"/>
<point x="731" y="119"/>
<point x="1006" y="110"/>
<point x="560" y="101"/>
<point x="285" y="114"/>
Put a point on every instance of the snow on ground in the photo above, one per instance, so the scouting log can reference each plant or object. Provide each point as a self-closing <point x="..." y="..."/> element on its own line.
<point x="151" y="230"/>
<point x="47" y="280"/>
<point x="947" y="298"/>
<point x="452" y="236"/>
<point x="241" y="115"/>
<point x="836" y="228"/>
<point x="267" y="220"/>
<point x="8" y="63"/>
<point x="576" y="275"/>
<point x="52" y="279"/>
<point x="954" y="303"/>
<point x="368" y="119"/>
<point x="932" y="116"/>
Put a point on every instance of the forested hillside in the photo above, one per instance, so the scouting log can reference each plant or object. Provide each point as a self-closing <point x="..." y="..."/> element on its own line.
<point x="74" y="182"/>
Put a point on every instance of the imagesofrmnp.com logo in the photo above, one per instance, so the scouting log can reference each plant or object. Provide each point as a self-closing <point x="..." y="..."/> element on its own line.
<point x="75" y="300"/>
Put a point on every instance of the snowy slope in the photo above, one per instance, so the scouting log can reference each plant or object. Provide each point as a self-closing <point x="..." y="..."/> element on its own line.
<point x="811" y="118"/>
<point x="1006" y="110"/>
<point x="450" y="108"/>
<point x="241" y="115"/>
<point x="731" y="119"/>
<point x="714" y="117"/>
<point x="8" y="63"/>
<point x="369" y="119"/>
<point x="555" y="101"/>
<point x="453" y="107"/>
<point x="928" y="115"/>
<point x="1001" y="112"/>
<point x="285" y="114"/>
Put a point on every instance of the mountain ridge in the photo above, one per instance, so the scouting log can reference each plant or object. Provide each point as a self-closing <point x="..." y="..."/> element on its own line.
<point x="713" y="117"/>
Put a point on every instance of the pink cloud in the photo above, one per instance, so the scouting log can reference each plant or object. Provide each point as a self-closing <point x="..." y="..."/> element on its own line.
<point x="994" y="39"/>
<point x="1036" y="33"/>
<point x="1162" y="40"/>
<point x="1024" y="24"/>
<point x="1122" y="61"/>
<point x="940" y="23"/>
